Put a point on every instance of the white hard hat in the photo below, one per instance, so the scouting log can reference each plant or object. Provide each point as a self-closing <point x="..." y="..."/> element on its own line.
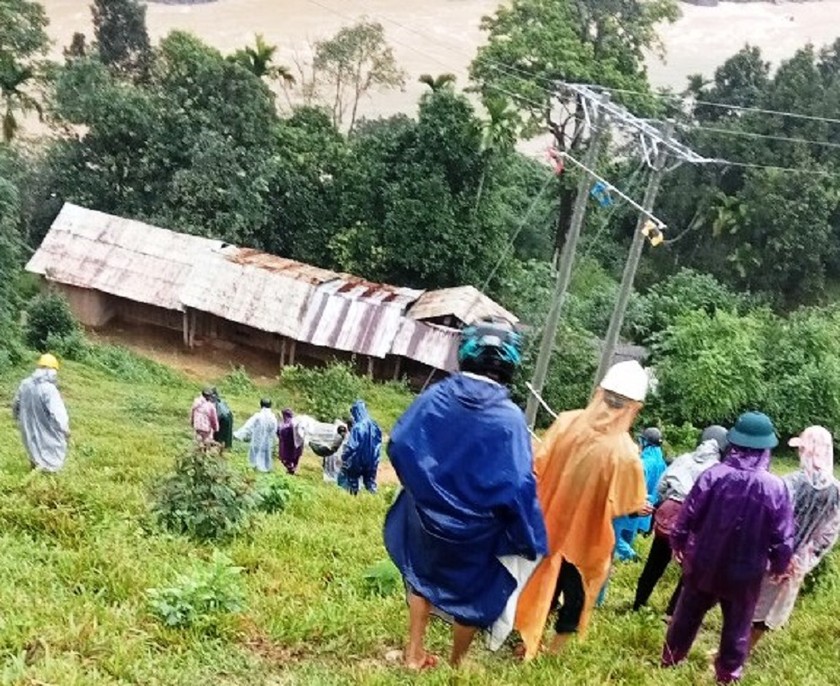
<point x="627" y="379"/>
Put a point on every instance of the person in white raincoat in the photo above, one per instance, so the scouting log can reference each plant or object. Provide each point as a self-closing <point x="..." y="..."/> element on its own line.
<point x="261" y="431"/>
<point x="42" y="417"/>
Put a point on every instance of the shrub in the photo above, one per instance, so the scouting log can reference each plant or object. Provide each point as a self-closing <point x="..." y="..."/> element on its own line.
<point x="237" y="381"/>
<point x="382" y="579"/>
<point x="71" y="346"/>
<point x="274" y="494"/>
<point x="48" y="315"/>
<point x="710" y="367"/>
<point x="125" y="365"/>
<point x="204" y="498"/>
<point x="200" y="598"/>
<point x="327" y="393"/>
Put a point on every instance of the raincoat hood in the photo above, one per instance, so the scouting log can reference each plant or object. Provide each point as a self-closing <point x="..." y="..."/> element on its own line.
<point x="588" y="473"/>
<point x="680" y="476"/>
<point x="45" y="375"/>
<point x="359" y="411"/>
<point x="747" y="459"/>
<point x="288" y="415"/>
<point x="707" y="452"/>
<point x="816" y="456"/>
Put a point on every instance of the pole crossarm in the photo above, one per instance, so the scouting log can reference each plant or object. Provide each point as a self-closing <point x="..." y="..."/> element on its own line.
<point x="619" y="116"/>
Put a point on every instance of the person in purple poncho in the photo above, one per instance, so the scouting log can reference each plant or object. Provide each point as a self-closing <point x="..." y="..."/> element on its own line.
<point x="736" y="524"/>
<point x="291" y="447"/>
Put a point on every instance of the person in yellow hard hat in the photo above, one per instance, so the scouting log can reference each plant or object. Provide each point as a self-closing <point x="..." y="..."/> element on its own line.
<point x="42" y="416"/>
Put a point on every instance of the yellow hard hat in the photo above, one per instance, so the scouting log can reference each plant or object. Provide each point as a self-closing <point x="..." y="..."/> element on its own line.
<point x="48" y="361"/>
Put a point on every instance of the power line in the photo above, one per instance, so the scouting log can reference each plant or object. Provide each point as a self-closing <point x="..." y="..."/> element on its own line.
<point x="722" y="105"/>
<point x="752" y="134"/>
<point x="770" y="167"/>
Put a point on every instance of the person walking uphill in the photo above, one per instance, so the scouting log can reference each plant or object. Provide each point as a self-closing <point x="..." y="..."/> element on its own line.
<point x="203" y="417"/>
<point x="360" y="460"/>
<point x="224" y="434"/>
<point x="463" y="456"/>
<point x="261" y="431"/>
<point x="816" y="513"/>
<point x="290" y="441"/>
<point x="42" y="417"/>
<point x="673" y="489"/>
<point x="736" y="521"/>
<point x="588" y="473"/>
<point x="653" y="466"/>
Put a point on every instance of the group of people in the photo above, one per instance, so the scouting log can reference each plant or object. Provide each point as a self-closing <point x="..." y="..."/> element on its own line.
<point x="492" y="532"/>
<point x="349" y="450"/>
<point x="492" y="536"/>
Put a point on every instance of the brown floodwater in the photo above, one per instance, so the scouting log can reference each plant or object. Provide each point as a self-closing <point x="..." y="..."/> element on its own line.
<point x="436" y="36"/>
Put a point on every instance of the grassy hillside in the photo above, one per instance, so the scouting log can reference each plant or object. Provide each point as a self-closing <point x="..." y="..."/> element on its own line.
<point x="79" y="551"/>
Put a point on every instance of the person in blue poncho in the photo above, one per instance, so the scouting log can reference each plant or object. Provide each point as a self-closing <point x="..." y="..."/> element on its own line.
<point x="462" y="453"/>
<point x="360" y="460"/>
<point x="626" y="528"/>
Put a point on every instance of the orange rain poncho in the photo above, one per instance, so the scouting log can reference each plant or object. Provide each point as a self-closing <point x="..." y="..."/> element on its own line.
<point x="588" y="472"/>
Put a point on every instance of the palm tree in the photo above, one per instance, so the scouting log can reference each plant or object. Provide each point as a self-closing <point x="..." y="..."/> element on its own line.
<point x="438" y="83"/>
<point x="258" y="60"/>
<point x="499" y="136"/>
<point x="13" y="79"/>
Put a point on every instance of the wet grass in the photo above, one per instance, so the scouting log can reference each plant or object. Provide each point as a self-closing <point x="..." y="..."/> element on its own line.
<point x="78" y="553"/>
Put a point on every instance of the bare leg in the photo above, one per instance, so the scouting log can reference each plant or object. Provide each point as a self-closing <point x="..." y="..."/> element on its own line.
<point x="462" y="640"/>
<point x="756" y="635"/>
<point x="558" y="643"/>
<point x="419" y="610"/>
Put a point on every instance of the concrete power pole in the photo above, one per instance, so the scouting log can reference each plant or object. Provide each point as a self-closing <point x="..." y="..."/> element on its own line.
<point x="632" y="264"/>
<point x="567" y="258"/>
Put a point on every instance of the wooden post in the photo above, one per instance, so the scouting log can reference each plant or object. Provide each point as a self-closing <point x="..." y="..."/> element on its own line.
<point x="292" y="352"/>
<point x="186" y="327"/>
<point x="283" y="353"/>
<point x="193" y="321"/>
<point x="370" y="366"/>
<point x="397" y="367"/>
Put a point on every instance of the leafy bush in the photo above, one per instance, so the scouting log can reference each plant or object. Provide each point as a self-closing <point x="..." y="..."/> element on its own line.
<point x="71" y="346"/>
<point x="684" y="292"/>
<point x="382" y="579"/>
<point x="200" y="598"/>
<point x="237" y="381"/>
<point x="710" y="367"/>
<point x="48" y="315"/>
<point x="327" y="393"/>
<point x="204" y="498"/>
<point x="274" y="494"/>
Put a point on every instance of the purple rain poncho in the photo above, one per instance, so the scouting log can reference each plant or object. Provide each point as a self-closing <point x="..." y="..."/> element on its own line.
<point x="737" y="519"/>
<point x="291" y="449"/>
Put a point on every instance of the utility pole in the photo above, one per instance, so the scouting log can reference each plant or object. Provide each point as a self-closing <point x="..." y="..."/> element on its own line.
<point x="632" y="264"/>
<point x="566" y="261"/>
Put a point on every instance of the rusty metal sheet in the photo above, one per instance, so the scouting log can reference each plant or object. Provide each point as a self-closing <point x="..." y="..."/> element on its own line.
<point x="429" y="344"/>
<point x="121" y="257"/>
<point x="464" y="302"/>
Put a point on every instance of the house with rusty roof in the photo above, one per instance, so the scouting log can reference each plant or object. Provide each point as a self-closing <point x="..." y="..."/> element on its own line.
<point x="115" y="269"/>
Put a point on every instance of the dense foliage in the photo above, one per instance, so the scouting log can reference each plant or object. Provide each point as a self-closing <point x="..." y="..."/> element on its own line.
<point x="204" y="498"/>
<point x="48" y="316"/>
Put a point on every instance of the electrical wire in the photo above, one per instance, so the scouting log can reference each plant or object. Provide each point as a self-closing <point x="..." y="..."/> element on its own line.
<point x="752" y="134"/>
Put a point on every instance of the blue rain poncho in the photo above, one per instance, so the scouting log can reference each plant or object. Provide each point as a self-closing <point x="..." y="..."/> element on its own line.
<point x="626" y="528"/>
<point x="463" y="455"/>
<point x="360" y="459"/>
<point x="261" y="431"/>
<point x="43" y="420"/>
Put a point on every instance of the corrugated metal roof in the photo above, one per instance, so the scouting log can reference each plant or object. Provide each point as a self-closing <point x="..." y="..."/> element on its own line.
<point x="118" y="256"/>
<point x="464" y="302"/>
<point x="429" y="344"/>
<point x="151" y="265"/>
<point x="249" y="294"/>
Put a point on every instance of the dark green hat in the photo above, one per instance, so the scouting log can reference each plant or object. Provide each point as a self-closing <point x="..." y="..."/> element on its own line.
<point x="753" y="430"/>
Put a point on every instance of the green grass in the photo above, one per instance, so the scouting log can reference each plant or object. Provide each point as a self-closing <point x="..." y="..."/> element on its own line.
<point x="78" y="552"/>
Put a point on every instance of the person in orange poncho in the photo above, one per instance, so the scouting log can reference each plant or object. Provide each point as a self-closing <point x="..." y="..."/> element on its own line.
<point x="588" y="473"/>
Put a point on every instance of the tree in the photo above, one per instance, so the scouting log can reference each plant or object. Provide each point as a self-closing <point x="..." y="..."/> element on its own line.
<point x="258" y="60"/>
<point x="77" y="49"/>
<point x="122" y="37"/>
<point x="355" y="61"/>
<point x="23" y="32"/>
<point x="439" y="82"/>
<point x="14" y="80"/>
<point x="533" y="43"/>
<point x="23" y="39"/>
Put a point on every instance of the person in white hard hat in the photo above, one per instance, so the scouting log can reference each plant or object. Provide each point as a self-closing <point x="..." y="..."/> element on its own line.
<point x="42" y="416"/>
<point x="588" y="473"/>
